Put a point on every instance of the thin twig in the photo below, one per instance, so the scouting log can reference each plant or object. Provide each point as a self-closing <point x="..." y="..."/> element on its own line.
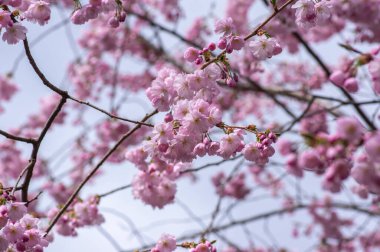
<point x="17" y="138"/>
<point x="210" y="164"/>
<point x="115" y="190"/>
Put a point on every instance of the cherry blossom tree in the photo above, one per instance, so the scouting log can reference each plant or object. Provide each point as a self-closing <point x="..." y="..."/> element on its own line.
<point x="273" y="103"/>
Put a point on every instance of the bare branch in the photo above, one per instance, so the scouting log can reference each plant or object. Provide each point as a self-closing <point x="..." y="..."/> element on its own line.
<point x="17" y="138"/>
<point x="115" y="190"/>
<point x="94" y="170"/>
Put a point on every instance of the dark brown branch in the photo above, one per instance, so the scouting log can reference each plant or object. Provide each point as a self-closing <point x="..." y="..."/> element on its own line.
<point x="163" y="28"/>
<point x="22" y="173"/>
<point x="16" y="138"/>
<point x="64" y="96"/>
<point x="327" y="71"/>
<point x="271" y="95"/>
<point x="274" y="14"/>
<point x="341" y="104"/>
<point x="36" y="147"/>
<point x="107" y="113"/>
<point x="41" y="36"/>
<point x="36" y="69"/>
<point x="34" y="199"/>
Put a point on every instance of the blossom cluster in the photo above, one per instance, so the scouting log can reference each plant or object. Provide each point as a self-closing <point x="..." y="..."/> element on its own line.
<point x="19" y="231"/>
<point x="38" y="11"/>
<point x="155" y="186"/>
<point x="310" y="13"/>
<point x="80" y="214"/>
<point x="234" y="187"/>
<point x="262" y="48"/>
<point x="94" y="8"/>
<point x="184" y="134"/>
<point x="346" y="76"/>
<point x="167" y="243"/>
<point x="34" y="11"/>
<point x="330" y="154"/>
<point x="367" y="166"/>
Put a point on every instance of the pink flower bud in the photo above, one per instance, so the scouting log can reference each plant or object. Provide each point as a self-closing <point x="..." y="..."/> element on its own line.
<point x="200" y="150"/>
<point x="338" y="78"/>
<point x="78" y="17"/>
<point x="204" y="50"/>
<point x="163" y="147"/>
<point x="277" y="50"/>
<point x="351" y="85"/>
<point x="222" y="44"/>
<point x="191" y="54"/>
<point x="212" y="46"/>
<point x="236" y="43"/>
<point x="168" y="117"/>
<point x="214" y="147"/>
<point x="206" y="141"/>
<point x="113" y="22"/>
<point x="231" y="83"/>
<point x="123" y="16"/>
<point x="199" y="61"/>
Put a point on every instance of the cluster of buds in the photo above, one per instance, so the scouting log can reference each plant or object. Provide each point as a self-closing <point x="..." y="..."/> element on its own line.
<point x="203" y="246"/>
<point x="346" y="77"/>
<point x="198" y="56"/>
<point x="5" y="195"/>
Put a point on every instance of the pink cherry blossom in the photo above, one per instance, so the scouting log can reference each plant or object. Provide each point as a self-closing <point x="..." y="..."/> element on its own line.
<point x="349" y="129"/>
<point x="225" y="26"/>
<point x="372" y="147"/>
<point x="14" y="33"/>
<point x="191" y="54"/>
<point x="16" y="211"/>
<point x="230" y="145"/>
<point x="5" y="18"/>
<point x="338" y="78"/>
<point x="167" y="243"/>
<point x="264" y="48"/>
<point x="351" y="85"/>
<point x="39" y="12"/>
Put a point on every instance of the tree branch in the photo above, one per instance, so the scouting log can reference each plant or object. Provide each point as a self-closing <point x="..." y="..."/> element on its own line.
<point x="65" y="94"/>
<point x="265" y="216"/>
<point x="36" y="147"/>
<point x="17" y="138"/>
<point x="94" y="170"/>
